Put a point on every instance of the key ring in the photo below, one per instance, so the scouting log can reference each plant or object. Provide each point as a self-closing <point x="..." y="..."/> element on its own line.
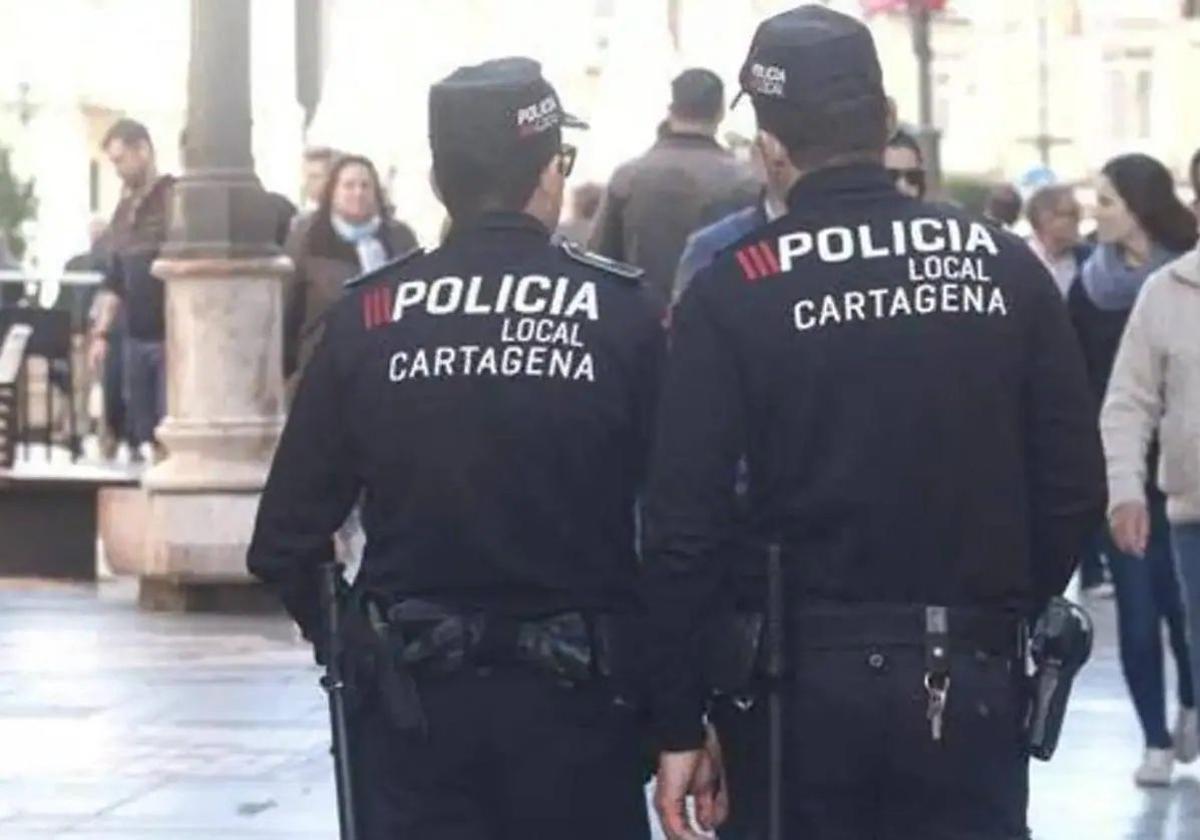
<point x="935" y="689"/>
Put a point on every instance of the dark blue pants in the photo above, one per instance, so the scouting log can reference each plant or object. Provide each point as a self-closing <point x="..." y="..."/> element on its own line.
<point x="859" y="759"/>
<point x="114" y="380"/>
<point x="1185" y="538"/>
<point x="1148" y="596"/>
<point x="509" y="755"/>
<point x="1091" y="568"/>
<point x="145" y="387"/>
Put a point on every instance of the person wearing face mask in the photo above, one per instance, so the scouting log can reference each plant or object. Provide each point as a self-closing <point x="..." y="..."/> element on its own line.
<point x="351" y="232"/>
<point x="1141" y="226"/>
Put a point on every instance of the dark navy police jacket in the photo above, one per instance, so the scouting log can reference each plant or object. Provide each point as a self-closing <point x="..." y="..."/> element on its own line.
<point x="491" y="401"/>
<point x="912" y="404"/>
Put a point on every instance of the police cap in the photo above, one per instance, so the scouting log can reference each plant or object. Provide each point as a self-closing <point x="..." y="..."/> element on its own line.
<point x="494" y="112"/>
<point x="813" y="57"/>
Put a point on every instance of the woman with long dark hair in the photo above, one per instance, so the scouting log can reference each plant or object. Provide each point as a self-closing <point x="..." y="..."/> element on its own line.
<point x="1141" y="226"/>
<point x="350" y="232"/>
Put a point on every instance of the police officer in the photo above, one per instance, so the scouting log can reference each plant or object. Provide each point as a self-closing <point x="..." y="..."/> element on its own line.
<point x="491" y="402"/>
<point x="903" y="382"/>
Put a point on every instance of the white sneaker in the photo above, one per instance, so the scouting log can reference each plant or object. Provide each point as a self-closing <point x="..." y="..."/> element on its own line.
<point x="1187" y="735"/>
<point x="1156" y="768"/>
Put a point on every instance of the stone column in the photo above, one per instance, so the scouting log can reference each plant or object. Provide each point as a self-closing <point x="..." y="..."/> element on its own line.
<point x="224" y="280"/>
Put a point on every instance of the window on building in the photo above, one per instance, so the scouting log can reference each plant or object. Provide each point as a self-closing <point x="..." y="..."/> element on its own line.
<point x="1130" y="95"/>
<point x="1142" y="97"/>
<point x="942" y="95"/>
<point x="94" y="186"/>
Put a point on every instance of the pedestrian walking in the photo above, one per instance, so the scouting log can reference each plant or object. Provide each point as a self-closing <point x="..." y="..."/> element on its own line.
<point x="351" y="231"/>
<point x="1144" y="231"/>
<point x="131" y="308"/>
<point x="684" y="182"/>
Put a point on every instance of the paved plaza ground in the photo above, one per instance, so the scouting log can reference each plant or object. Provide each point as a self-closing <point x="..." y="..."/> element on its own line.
<point x="116" y="724"/>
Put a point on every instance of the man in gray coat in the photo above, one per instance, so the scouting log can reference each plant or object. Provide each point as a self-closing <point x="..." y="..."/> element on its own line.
<point x="685" y="181"/>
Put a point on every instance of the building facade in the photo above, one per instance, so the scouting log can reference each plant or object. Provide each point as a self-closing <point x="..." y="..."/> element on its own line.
<point x="1074" y="81"/>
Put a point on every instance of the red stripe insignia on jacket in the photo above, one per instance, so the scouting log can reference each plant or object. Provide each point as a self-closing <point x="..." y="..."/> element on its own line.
<point x="377" y="307"/>
<point x="757" y="261"/>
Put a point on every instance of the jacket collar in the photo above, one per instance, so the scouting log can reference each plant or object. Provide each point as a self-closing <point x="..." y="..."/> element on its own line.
<point x="506" y="222"/>
<point x="837" y="182"/>
<point x="688" y="138"/>
<point x="1186" y="269"/>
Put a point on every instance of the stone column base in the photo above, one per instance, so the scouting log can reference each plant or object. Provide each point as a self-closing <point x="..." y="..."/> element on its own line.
<point x="196" y="554"/>
<point x="160" y="594"/>
<point x="224" y="414"/>
<point x="200" y="536"/>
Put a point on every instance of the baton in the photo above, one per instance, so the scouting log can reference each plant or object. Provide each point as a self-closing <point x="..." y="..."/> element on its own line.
<point x="332" y="584"/>
<point x="774" y="667"/>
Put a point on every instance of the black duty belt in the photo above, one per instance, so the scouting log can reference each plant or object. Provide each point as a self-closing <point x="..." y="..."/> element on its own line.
<point x="997" y="632"/>
<point x="393" y="641"/>
<point x="446" y="638"/>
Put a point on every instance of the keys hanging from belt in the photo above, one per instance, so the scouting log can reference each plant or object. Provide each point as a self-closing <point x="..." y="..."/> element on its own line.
<point x="937" y="667"/>
<point x="937" y="704"/>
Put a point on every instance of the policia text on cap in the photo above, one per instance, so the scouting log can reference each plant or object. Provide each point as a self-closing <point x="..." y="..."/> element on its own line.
<point x="924" y="463"/>
<point x="489" y="406"/>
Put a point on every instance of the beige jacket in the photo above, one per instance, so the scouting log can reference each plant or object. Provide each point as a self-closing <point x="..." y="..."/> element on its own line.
<point x="1155" y="387"/>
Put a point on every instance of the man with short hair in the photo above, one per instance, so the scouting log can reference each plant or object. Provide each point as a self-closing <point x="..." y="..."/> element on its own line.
<point x="138" y="230"/>
<point x="585" y="201"/>
<point x="924" y="466"/>
<point x="1003" y="205"/>
<point x="491" y="403"/>
<point x="318" y="161"/>
<point x="905" y="162"/>
<point x="685" y="180"/>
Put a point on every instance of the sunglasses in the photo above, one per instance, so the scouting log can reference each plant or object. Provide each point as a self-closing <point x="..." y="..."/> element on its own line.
<point x="915" y="178"/>
<point x="566" y="159"/>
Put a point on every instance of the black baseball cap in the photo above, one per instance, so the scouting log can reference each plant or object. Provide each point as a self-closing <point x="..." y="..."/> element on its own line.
<point x="812" y="56"/>
<point x="496" y="111"/>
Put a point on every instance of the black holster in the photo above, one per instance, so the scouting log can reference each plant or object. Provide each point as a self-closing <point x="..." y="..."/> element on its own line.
<point x="729" y="649"/>
<point x="375" y="665"/>
<point x="1061" y="644"/>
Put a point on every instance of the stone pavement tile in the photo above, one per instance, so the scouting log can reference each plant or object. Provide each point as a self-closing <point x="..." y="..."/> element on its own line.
<point x="53" y="799"/>
<point x="36" y="826"/>
<point x="223" y="807"/>
<point x="54" y="747"/>
<point x="145" y="726"/>
<point x="314" y="768"/>
<point x="260" y="702"/>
